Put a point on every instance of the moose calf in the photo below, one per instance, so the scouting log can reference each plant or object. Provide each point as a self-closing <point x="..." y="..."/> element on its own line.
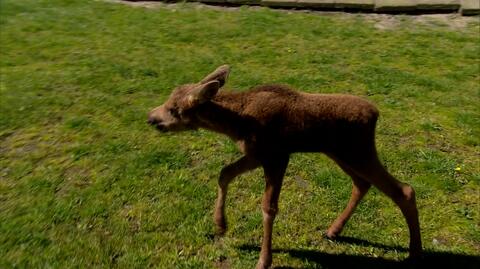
<point x="269" y="123"/>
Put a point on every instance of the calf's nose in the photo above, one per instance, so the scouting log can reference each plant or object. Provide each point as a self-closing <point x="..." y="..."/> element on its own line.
<point x="151" y="120"/>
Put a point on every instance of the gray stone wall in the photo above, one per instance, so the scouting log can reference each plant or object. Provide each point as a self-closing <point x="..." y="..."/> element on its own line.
<point x="465" y="7"/>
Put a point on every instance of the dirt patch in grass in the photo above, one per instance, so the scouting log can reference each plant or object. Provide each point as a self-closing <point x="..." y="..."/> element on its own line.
<point x="391" y="22"/>
<point x="146" y="4"/>
<point x="381" y="21"/>
<point x="74" y="178"/>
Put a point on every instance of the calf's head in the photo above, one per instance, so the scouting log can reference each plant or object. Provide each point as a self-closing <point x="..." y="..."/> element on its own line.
<point x="178" y="112"/>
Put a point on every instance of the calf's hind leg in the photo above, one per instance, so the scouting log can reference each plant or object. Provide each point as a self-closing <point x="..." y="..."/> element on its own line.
<point x="370" y="169"/>
<point x="360" y="187"/>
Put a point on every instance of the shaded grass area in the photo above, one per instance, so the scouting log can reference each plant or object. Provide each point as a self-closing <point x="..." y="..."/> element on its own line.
<point x="316" y="258"/>
<point x="84" y="182"/>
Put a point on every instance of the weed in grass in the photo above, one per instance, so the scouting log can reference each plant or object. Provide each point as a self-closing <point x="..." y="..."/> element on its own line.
<point x="84" y="182"/>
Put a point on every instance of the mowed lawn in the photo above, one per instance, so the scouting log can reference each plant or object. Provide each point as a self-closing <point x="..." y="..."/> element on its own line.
<point x="86" y="183"/>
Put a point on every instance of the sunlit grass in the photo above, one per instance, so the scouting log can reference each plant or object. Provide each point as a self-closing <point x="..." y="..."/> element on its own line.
<point x="84" y="182"/>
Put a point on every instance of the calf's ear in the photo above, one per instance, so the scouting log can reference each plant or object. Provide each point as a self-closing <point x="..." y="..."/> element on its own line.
<point x="204" y="92"/>
<point x="220" y="74"/>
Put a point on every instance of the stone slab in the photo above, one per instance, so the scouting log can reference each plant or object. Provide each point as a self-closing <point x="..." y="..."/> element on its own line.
<point x="470" y="7"/>
<point x="355" y="4"/>
<point x="438" y="5"/>
<point x="208" y="1"/>
<point x="317" y="3"/>
<point x="279" y="3"/>
<point x="244" y="2"/>
<point x="466" y="7"/>
<point x="395" y="5"/>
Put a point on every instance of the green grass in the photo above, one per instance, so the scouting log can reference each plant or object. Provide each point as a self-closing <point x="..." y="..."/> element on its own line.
<point x="84" y="182"/>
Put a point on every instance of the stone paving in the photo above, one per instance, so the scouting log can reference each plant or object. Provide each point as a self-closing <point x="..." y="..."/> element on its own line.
<point x="465" y="7"/>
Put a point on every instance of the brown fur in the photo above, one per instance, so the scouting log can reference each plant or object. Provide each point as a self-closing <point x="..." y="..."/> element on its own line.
<point x="269" y="123"/>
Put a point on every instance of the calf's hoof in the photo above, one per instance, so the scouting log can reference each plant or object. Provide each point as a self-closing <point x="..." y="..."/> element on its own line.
<point x="220" y="229"/>
<point x="331" y="234"/>
<point x="415" y="256"/>
<point x="263" y="264"/>
<point x="220" y="226"/>
<point x="416" y="261"/>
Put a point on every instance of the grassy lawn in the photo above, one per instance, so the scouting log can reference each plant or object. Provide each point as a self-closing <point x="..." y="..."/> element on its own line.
<point x="85" y="183"/>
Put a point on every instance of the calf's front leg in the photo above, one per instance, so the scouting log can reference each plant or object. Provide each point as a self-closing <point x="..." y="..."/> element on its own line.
<point x="227" y="174"/>
<point x="274" y="172"/>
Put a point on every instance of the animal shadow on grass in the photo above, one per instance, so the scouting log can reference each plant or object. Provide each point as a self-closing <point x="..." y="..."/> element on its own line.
<point x="430" y="259"/>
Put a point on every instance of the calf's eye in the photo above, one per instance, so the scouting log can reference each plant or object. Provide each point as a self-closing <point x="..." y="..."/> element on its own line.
<point x="174" y="112"/>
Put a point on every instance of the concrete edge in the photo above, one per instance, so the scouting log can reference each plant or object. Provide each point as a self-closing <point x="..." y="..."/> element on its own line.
<point x="464" y="7"/>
